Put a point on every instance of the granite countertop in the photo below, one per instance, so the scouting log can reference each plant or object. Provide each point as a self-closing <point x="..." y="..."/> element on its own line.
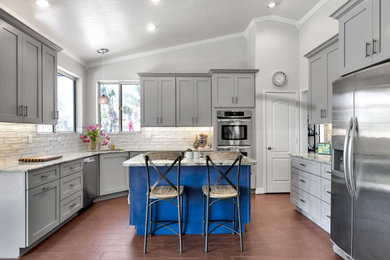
<point x="30" y="166"/>
<point x="219" y="158"/>
<point x="323" y="158"/>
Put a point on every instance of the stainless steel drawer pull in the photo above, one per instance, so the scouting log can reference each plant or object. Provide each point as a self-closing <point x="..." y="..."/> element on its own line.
<point x="329" y="172"/>
<point x="46" y="188"/>
<point x="368" y="45"/>
<point x="302" y="200"/>
<point x="302" y="164"/>
<point x="328" y="192"/>
<point x="43" y="176"/>
<point x="20" y="111"/>
<point x="25" y="111"/>
<point x="72" y="206"/>
<point x="70" y="168"/>
<point x="374" y="43"/>
<point x="302" y="181"/>
<point x="328" y="216"/>
<point x="71" y="185"/>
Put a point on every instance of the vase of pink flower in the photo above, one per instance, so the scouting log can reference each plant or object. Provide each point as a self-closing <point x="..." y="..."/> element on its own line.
<point x="94" y="135"/>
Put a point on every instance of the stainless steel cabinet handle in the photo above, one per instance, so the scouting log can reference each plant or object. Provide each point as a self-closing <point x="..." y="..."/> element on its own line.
<point x="374" y="44"/>
<point x="328" y="192"/>
<point x="368" y="53"/>
<point x="328" y="216"/>
<point x="25" y="111"/>
<point x="72" y="206"/>
<point x="302" y="181"/>
<point x="269" y="148"/>
<point x="302" y="164"/>
<point x="302" y="200"/>
<point x="43" y="176"/>
<point x="20" y="110"/>
<point x="236" y="100"/>
<point x="71" y="185"/>
<point x="46" y="188"/>
<point x="330" y="172"/>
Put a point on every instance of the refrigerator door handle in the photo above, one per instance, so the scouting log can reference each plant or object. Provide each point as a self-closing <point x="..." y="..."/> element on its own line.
<point x="346" y="157"/>
<point x="351" y="158"/>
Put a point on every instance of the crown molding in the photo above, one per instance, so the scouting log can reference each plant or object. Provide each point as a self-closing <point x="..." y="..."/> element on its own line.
<point x="276" y="18"/>
<point x="311" y="12"/>
<point x="167" y="49"/>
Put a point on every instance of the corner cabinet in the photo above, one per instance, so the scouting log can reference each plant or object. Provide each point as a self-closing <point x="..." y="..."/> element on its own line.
<point x="158" y="101"/>
<point x="113" y="176"/>
<point x="28" y="74"/>
<point x="193" y="101"/>
<point x="233" y="88"/>
<point x="323" y="71"/>
<point x="364" y="34"/>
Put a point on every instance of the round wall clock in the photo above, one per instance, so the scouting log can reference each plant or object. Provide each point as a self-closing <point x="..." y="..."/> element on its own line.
<point x="279" y="79"/>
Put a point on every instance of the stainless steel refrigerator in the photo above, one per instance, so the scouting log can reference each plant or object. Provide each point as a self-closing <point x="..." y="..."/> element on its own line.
<point x="360" y="224"/>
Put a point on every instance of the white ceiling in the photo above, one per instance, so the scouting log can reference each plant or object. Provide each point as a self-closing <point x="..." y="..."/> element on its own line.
<point x="83" y="26"/>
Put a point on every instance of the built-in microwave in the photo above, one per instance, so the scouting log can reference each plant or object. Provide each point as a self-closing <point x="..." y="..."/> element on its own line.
<point x="234" y="128"/>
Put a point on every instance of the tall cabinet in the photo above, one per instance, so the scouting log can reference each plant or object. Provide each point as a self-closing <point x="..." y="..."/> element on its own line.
<point x="364" y="34"/>
<point x="323" y="71"/>
<point x="28" y="68"/>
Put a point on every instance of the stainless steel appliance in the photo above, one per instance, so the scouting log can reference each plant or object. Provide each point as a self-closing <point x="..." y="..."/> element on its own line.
<point x="90" y="180"/>
<point x="360" y="221"/>
<point x="234" y="128"/>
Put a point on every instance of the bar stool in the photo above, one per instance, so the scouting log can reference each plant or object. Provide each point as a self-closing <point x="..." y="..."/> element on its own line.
<point x="217" y="192"/>
<point x="170" y="192"/>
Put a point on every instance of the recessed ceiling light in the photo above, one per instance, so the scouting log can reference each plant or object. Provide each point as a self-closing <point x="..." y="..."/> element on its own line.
<point x="271" y="4"/>
<point x="151" y="27"/>
<point x="155" y="1"/>
<point x="42" y="3"/>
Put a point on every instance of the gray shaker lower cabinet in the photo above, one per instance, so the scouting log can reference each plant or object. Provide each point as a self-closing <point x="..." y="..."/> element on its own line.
<point x="42" y="210"/>
<point x="113" y="176"/>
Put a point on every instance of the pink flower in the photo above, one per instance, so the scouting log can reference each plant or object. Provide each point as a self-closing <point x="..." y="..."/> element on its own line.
<point x="90" y="136"/>
<point x="87" y="128"/>
<point x="87" y="141"/>
<point x="108" y="138"/>
<point x="100" y="125"/>
<point x="82" y="137"/>
<point x="93" y="130"/>
<point x="105" y="143"/>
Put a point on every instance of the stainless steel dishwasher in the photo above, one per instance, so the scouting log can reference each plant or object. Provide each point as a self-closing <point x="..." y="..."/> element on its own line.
<point x="90" y="179"/>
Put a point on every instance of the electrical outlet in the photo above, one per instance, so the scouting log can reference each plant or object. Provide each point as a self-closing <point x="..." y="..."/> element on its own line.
<point x="30" y="139"/>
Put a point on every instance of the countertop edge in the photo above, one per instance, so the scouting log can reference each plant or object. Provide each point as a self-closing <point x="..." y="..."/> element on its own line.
<point x="321" y="158"/>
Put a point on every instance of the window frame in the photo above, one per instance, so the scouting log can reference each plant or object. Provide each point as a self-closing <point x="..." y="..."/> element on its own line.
<point x="120" y="116"/>
<point x="74" y="79"/>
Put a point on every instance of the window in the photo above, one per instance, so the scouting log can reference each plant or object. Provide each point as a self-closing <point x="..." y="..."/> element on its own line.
<point x="66" y="102"/>
<point x="122" y="114"/>
<point x="66" y="88"/>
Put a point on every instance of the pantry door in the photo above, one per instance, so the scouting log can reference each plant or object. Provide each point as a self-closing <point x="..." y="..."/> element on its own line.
<point x="281" y="139"/>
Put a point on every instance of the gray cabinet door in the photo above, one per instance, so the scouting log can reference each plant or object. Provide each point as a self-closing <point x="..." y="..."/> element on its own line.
<point x="167" y="101"/>
<point x="31" y="78"/>
<point x="49" y="86"/>
<point x="318" y="88"/>
<point x="10" y="73"/>
<point x="185" y="102"/>
<point x="223" y="90"/>
<point x="381" y="34"/>
<point x="332" y="59"/>
<point x="245" y="90"/>
<point x="42" y="210"/>
<point x="202" y="102"/>
<point x="150" y="101"/>
<point x="113" y="176"/>
<point x="356" y="38"/>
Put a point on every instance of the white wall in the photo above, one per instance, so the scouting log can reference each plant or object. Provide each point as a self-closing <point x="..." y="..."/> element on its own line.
<point x="276" y="50"/>
<point x="70" y="66"/>
<point x="313" y="32"/>
<point x="229" y="53"/>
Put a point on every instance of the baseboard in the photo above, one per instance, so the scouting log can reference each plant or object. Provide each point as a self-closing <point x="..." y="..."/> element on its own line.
<point x="111" y="196"/>
<point x="260" y="191"/>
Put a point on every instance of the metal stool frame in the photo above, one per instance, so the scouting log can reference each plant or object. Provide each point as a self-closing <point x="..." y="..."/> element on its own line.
<point x="211" y="201"/>
<point x="151" y="201"/>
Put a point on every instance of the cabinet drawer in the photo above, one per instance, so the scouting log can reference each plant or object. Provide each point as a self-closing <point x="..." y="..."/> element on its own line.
<point x="326" y="171"/>
<point x="70" y="205"/>
<point x="325" y="216"/>
<point x="307" y="182"/>
<point x="71" y="167"/>
<point x="42" y="176"/>
<point x="326" y="190"/>
<point x="71" y="184"/>
<point x="306" y="165"/>
<point x="301" y="199"/>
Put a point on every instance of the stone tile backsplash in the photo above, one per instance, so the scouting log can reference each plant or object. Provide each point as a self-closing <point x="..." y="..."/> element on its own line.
<point x="21" y="140"/>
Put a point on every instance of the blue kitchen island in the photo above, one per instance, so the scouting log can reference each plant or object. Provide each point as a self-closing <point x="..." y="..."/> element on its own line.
<point x="193" y="177"/>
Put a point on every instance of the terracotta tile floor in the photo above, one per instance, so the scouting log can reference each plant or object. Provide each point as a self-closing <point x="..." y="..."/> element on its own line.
<point x="277" y="231"/>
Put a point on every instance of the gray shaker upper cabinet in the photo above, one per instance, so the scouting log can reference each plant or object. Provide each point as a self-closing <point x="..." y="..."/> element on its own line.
<point x="158" y="101"/>
<point x="10" y="72"/>
<point x="323" y="70"/>
<point x="233" y="88"/>
<point x="193" y="101"/>
<point x="49" y="86"/>
<point x="364" y="34"/>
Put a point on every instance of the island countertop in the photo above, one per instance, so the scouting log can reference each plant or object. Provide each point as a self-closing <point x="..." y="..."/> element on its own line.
<point x="139" y="160"/>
